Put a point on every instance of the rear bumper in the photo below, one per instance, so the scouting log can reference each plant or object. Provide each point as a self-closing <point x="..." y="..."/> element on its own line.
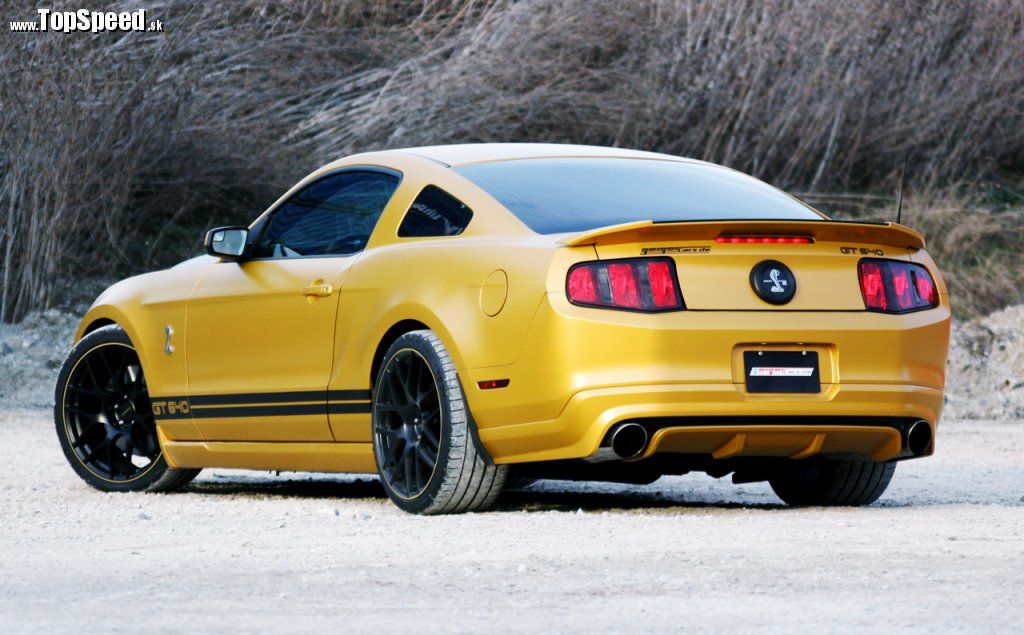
<point x="837" y="414"/>
<point x="581" y="371"/>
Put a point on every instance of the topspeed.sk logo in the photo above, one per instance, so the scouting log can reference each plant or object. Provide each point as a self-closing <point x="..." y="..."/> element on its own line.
<point x="89" y="21"/>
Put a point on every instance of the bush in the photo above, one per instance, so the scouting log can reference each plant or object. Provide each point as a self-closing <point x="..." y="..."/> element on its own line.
<point x="118" y="148"/>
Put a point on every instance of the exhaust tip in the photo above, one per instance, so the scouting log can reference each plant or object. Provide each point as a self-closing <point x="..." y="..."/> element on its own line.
<point x="919" y="437"/>
<point x="628" y="440"/>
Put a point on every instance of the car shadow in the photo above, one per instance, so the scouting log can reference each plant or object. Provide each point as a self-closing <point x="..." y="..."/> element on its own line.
<point x="552" y="496"/>
<point x="568" y="500"/>
<point x="561" y="496"/>
<point x="296" y="488"/>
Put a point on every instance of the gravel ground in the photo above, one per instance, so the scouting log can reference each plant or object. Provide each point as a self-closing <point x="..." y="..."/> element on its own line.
<point x="943" y="550"/>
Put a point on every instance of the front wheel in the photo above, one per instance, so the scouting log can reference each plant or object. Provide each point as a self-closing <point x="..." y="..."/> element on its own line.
<point x="423" y="446"/>
<point x="832" y="482"/>
<point x="105" y="420"/>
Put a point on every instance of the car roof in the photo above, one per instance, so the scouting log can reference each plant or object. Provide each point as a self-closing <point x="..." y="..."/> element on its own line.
<point x="462" y="154"/>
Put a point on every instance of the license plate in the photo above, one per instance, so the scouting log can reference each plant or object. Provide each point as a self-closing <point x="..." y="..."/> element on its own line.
<point x="781" y="371"/>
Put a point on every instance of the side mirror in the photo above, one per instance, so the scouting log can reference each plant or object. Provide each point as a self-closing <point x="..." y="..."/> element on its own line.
<point x="227" y="242"/>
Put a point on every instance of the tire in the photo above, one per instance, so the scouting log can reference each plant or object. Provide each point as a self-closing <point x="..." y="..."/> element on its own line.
<point x="833" y="482"/>
<point x="423" y="440"/>
<point x="104" y="419"/>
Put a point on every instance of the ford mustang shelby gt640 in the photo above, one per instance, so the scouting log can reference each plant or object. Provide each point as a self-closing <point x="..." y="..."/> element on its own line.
<point x="451" y="317"/>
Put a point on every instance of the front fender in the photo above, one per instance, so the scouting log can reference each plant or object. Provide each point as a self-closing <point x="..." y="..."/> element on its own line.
<point x="145" y="307"/>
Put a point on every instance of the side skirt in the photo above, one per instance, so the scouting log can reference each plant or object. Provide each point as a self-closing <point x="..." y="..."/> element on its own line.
<point x="302" y="457"/>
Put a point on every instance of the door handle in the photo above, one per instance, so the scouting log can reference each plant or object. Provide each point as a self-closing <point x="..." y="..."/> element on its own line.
<point x="318" y="289"/>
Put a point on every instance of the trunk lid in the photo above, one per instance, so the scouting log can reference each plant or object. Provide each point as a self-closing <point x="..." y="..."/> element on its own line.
<point x="717" y="275"/>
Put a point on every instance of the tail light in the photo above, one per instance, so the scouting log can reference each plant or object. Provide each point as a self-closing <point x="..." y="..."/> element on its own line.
<point x="636" y="284"/>
<point x="894" y="286"/>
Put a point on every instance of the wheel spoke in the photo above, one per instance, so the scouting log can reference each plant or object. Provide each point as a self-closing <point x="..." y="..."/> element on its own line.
<point x="428" y="435"/>
<point x="111" y="461"/>
<point x="410" y="370"/>
<point x="418" y="470"/>
<point x="83" y="439"/>
<point x="101" y="389"/>
<point x="415" y="381"/>
<point x="84" y="414"/>
<point x="430" y="402"/>
<point x="425" y="455"/>
<point x="129" y="452"/>
<point x="78" y="390"/>
<point x="111" y="375"/>
<point x="409" y="463"/>
<point x="147" y="445"/>
<point x="395" y="388"/>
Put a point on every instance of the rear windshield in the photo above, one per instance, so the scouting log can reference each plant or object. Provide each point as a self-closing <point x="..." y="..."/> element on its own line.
<point x="567" y="195"/>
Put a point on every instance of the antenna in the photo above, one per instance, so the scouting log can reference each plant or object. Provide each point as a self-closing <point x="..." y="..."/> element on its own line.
<point x="903" y="183"/>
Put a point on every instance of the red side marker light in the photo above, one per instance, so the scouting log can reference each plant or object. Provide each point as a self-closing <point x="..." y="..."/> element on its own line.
<point x="488" y="384"/>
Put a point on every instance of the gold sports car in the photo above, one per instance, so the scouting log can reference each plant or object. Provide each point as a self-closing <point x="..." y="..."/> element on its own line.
<point x="455" y="317"/>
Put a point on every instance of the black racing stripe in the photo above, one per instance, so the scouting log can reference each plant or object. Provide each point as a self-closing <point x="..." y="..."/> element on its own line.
<point x="259" y="397"/>
<point x="271" y="397"/>
<point x="271" y="411"/>
<point x="272" y="404"/>
<point x="176" y="415"/>
<point x="348" y="395"/>
<point x="260" y="411"/>
<point x="349" y="408"/>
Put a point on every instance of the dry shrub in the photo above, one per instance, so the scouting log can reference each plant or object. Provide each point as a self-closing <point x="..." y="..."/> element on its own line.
<point x="978" y="245"/>
<point x="117" y="148"/>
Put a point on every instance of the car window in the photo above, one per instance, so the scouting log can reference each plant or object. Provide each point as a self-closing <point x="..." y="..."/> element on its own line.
<point x="334" y="215"/>
<point x="576" y="194"/>
<point x="435" y="213"/>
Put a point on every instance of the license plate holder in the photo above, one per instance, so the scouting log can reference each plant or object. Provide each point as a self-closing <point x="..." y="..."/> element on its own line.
<point x="781" y="371"/>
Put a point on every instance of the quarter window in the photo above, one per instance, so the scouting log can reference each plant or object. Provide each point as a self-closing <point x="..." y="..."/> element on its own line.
<point x="435" y="213"/>
<point x="333" y="216"/>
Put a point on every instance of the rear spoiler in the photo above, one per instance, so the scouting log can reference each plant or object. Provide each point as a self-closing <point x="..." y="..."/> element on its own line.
<point x="890" y="234"/>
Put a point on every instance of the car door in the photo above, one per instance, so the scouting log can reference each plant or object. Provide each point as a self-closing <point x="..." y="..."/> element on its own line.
<point x="260" y="332"/>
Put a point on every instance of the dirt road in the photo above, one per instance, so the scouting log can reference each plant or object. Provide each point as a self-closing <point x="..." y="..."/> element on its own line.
<point x="942" y="550"/>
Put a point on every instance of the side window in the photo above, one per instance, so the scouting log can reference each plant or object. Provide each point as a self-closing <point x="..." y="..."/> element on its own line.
<point x="334" y="215"/>
<point x="435" y="213"/>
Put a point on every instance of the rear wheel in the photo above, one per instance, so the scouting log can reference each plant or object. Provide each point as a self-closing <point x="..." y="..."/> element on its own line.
<point x="423" y="445"/>
<point x="833" y="482"/>
<point x="105" y="420"/>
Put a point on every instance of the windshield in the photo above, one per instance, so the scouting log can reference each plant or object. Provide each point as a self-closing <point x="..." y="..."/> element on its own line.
<point x="552" y="196"/>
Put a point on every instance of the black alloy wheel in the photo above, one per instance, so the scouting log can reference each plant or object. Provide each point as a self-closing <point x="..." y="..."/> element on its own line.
<point x="408" y="423"/>
<point x="105" y="421"/>
<point x="425" y="443"/>
<point x="108" y="416"/>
